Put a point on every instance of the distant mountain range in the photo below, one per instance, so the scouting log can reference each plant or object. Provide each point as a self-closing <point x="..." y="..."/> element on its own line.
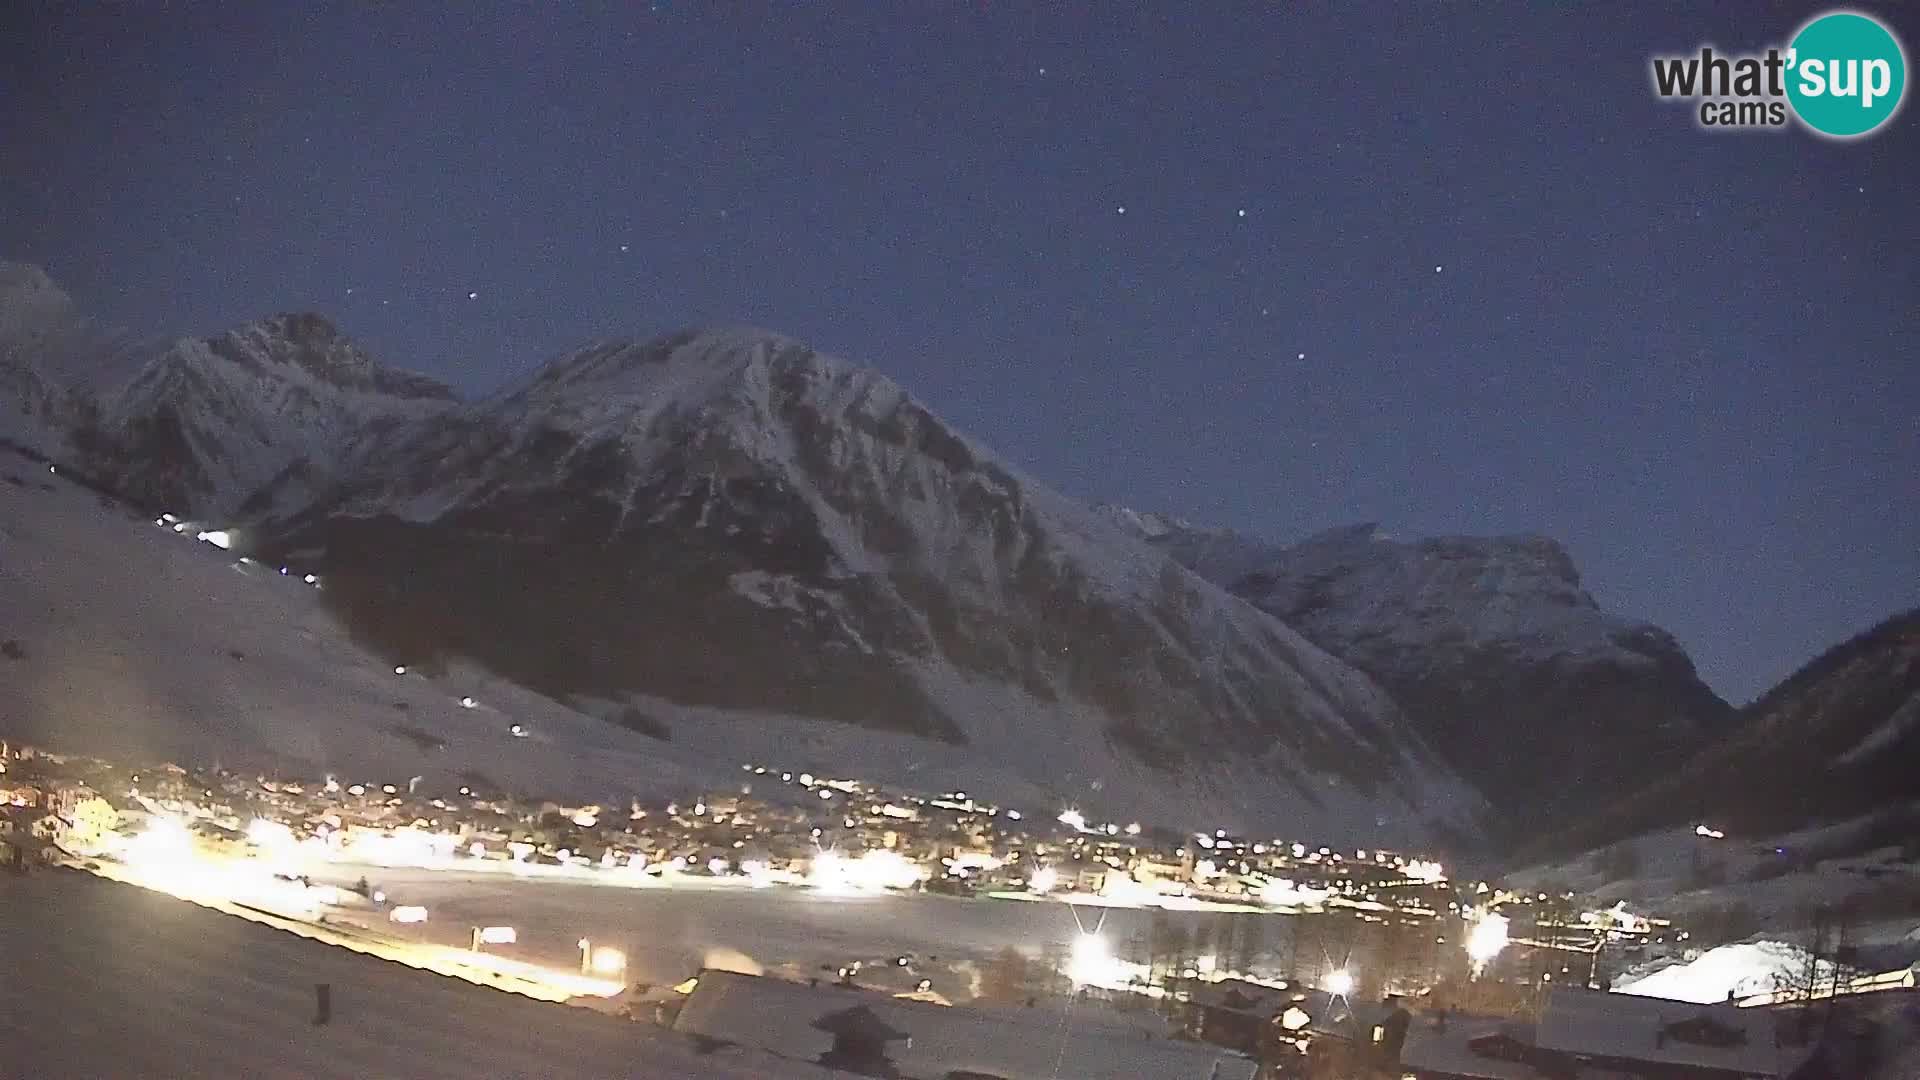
<point x="1490" y="646"/>
<point x="729" y="522"/>
<point x="726" y="531"/>
<point x="1837" y="740"/>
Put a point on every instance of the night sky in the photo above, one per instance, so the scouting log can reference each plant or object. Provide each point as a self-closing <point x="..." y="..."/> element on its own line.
<point x="1273" y="268"/>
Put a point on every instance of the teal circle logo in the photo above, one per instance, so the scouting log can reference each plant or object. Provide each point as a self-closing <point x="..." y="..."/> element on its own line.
<point x="1846" y="74"/>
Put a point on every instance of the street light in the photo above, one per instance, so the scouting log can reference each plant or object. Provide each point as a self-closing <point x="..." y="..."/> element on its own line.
<point x="609" y="962"/>
<point x="1339" y="982"/>
<point x="604" y="960"/>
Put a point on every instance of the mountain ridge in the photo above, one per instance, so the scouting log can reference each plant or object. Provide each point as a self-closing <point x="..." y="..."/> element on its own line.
<point x="1490" y="645"/>
<point x="728" y="520"/>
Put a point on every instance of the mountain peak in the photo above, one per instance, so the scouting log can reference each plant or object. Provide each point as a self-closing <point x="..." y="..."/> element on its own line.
<point x="1489" y="643"/>
<point x="300" y="346"/>
<point x="30" y="303"/>
<point x="690" y="354"/>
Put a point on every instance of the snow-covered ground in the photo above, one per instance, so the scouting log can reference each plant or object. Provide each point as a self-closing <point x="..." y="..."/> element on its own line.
<point x="1742" y="970"/>
<point x="140" y="644"/>
<point x="105" y="979"/>
<point x="1775" y="881"/>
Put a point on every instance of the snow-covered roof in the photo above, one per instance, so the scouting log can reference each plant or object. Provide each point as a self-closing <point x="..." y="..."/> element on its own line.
<point x="1601" y="1025"/>
<point x="1437" y="1048"/>
<point x="1039" y="1043"/>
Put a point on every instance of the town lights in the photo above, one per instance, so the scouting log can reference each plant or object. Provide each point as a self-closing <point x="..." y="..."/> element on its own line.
<point x="166" y="844"/>
<point x="1073" y="819"/>
<point x="1044" y="880"/>
<point x="1338" y="982"/>
<point x="873" y="871"/>
<point x="1092" y="961"/>
<point x="1486" y="937"/>
<point x="270" y="835"/>
<point x="609" y="962"/>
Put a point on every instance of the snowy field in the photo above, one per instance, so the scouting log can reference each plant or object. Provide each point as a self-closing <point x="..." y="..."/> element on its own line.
<point x="1681" y="874"/>
<point x="669" y="933"/>
<point x="107" y="980"/>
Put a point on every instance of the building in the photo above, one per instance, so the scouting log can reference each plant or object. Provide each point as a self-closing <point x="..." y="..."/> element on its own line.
<point x="1653" y="1037"/>
<point x="1618" y="1036"/>
<point x="1458" y="1046"/>
<point x="1236" y="1014"/>
<point x="997" y="1043"/>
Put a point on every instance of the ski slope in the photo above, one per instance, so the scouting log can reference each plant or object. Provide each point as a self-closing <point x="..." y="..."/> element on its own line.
<point x="146" y="645"/>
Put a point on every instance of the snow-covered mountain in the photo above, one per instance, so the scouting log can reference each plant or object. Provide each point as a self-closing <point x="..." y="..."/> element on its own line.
<point x="50" y="355"/>
<point x="729" y="520"/>
<point x="1491" y="647"/>
<point x="726" y="539"/>
<point x="1836" y="740"/>
<point x="253" y="421"/>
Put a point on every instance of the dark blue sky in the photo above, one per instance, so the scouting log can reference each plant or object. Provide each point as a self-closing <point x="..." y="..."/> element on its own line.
<point x="1690" y="356"/>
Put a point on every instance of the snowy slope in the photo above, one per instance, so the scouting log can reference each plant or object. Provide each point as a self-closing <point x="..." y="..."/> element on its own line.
<point x="1836" y="740"/>
<point x="728" y="520"/>
<point x="1489" y="644"/>
<point x="142" y="644"/>
<point x="106" y="979"/>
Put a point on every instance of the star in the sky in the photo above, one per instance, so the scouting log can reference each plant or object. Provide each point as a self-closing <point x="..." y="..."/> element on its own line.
<point x="1121" y="210"/>
<point x="473" y="296"/>
<point x="1437" y="268"/>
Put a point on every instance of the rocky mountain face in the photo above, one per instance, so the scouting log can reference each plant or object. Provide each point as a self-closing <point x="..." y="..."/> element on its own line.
<point x="731" y="520"/>
<point x="1836" y="740"/>
<point x="254" y="421"/>
<point x="1490" y="646"/>
<point x="725" y="530"/>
